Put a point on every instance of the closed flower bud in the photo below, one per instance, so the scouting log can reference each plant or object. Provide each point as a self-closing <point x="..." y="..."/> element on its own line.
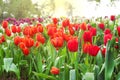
<point x="17" y="40"/>
<point x="72" y="45"/>
<point x="87" y="36"/>
<point x="101" y="26"/>
<point x="14" y="29"/>
<point x="8" y="32"/>
<point x="112" y="17"/>
<point x="93" y="50"/>
<point x="3" y="38"/>
<point x="83" y="26"/>
<point x="25" y="51"/>
<point x="55" y="71"/>
<point x="107" y="37"/>
<point x="55" y="20"/>
<point x="4" y="24"/>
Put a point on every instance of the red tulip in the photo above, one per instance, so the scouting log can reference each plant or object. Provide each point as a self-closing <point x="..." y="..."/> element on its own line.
<point x="93" y="50"/>
<point x="107" y="31"/>
<point x="18" y="29"/>
<point x="40" y="28"/>
<point x="3" y="38"/>
<point x="8" y="32"/>
<point x="116" y="39"/>
<point x="101" y="26"/>
<point x="25" y="51"/>
<point x="57" y="42"/>
<point x="28" y="31"/>
<point x="86" y="47"/>
<point x="89" y="26"/>
<point x="93" y="31"/>
<point x="112" y="17"/>
<point x="87" y="36"/>
<point x="55" y="20"/>
<point x="118" y="30"/>
<point x="103" y="51"/>
<point x="4" y="24"/>
<point x="51" y="25"/>
<point x="29" y="42"/>
<point x="55" y="71"/>
<point x="14" y="29"/>
<point x="40" y="38"/>
<point x="59" y="33"/>
<point x="17" y="40"/>
<point x="76" y="26"/>
<point x="107" y="37"/>
<point x="37" y="44"/>
<point x="83" y="26"/>
<point x="67" y="37"/>
<point x="0" y="41"/>
<point x="39" y="24"/>
<point x="71" y="30"/>
<point x="22" y="45"/>
<point x="72" y="45"/>
<point x="65" y="23"/>
<point x="51" y="31"/>
<point x="116" y="43"/>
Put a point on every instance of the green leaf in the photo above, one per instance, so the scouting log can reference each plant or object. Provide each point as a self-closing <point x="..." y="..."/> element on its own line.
<point x="57" y="60"/>
<point x="118" y="76"/>
<point x="96" y="71"/>
<point x="103" y="67"/>
<point x="88" y="76"/>
<point x="66" y="72"/>
<point x="99" y="59"/>
<point x="7" y="63"/>
<point x="10" y="66"/>
<point x="15" y="70"/>
<point x="109" y="60"/>
<point x="23" y="62"/>
<point x="117" y="61"/>
<point x="83" y="68"/>
<point x="45" y="76"/>
<point x="39" y="62"/>
<point x="72" y="75"/>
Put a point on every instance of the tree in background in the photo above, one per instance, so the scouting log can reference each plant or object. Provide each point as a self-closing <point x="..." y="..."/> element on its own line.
<point x="20" y="8"/>
<point x="3" y="6"/>
<point x="69" y="8"/>
<point x="46" y="8"/>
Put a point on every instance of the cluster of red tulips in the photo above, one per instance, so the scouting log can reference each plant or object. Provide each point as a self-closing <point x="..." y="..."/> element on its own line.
<point x="62" y="34"/>
<point x="66" y="32"/>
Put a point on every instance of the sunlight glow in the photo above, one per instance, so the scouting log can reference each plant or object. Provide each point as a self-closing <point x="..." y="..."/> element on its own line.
<point x="85" y="8"/>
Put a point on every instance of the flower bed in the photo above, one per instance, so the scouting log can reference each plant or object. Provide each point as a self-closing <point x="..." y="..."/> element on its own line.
<point x="60" y="49"/>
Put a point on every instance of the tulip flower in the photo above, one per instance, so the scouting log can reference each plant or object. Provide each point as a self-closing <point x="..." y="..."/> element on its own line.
<point x="83" y="26"/>
<point x="87" y="36"/>
<point x="14" y="29"/>
<point x="55" y="20"/>
<point x="65" y="23"/>
<point x="101" y="26"/>
<point x="72" y="45"/>
<point x="25" y="51"/>
<point x="93" y="31"/>
<point x="93" y="50"/>
<point x="107" y="37"/>
<point x="4" y="24"/>
<point x="112" y="17"/>
<point x="118" y="30"/>
<point x="40" y="38"/>
<point x="107" y="31"/>
<point x="55" y="71"/>
<point x="17" y="40"/>
<point x="8" y="32"/>
<point x="57" y="42"/>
